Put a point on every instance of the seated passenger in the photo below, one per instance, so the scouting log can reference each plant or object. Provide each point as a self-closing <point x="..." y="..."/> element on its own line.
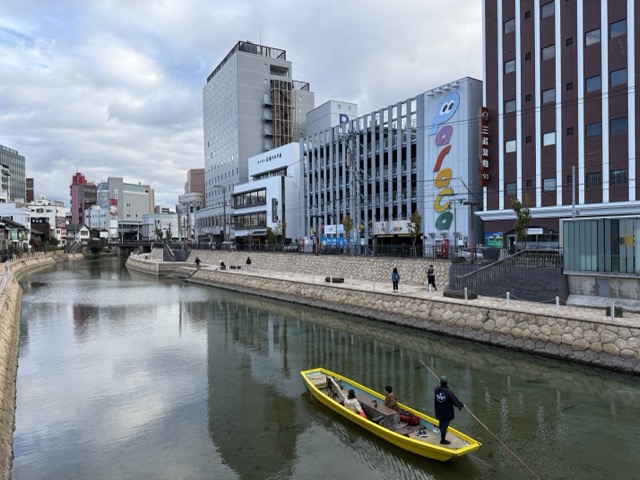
<point x="390" y="399"/>
<point x="352" y="403"/>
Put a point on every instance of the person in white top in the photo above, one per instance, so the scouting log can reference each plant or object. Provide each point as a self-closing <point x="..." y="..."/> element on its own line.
<point x="352" y="403"/>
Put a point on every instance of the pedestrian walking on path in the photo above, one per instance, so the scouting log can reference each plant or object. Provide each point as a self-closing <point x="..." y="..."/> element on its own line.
<point x="431" y="277"/>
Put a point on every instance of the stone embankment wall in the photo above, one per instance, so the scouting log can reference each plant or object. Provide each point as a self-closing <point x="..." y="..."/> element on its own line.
<point x="10" y="306"/>
<point x="572" y="333"/>
<point x="378" y="269"/>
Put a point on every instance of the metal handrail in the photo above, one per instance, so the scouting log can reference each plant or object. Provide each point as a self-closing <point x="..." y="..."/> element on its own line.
<point x="524" y="258"/>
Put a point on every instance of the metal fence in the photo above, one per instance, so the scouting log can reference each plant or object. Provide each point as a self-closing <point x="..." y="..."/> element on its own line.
<point x="534" y="275"/>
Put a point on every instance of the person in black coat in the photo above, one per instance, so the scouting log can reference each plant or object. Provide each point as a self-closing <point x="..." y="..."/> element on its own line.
<point x="445" y="400"/>
<point x="431" y="277"/>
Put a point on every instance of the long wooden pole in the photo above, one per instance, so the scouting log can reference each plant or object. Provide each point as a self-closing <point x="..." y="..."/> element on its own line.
<point x="488" y="430"/>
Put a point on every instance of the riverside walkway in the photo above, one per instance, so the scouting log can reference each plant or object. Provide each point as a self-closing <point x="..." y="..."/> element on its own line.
<point x="630" y="319"/>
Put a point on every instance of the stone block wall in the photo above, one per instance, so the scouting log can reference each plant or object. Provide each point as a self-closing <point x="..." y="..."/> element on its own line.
<point x="10" y="307"/>
<point x="378" y="269"/>
<point x="11" y="301"/>
<point x="597" y="341"/>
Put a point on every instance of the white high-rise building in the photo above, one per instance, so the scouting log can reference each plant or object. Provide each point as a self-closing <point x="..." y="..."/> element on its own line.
<point x="251" y="105"/>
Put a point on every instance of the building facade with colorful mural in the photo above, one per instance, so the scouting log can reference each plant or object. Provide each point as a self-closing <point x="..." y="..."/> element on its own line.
<point x="417" y="155"/>
<point x="452" y="192"/>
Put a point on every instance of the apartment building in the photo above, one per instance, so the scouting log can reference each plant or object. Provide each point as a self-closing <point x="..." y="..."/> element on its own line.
<point x="83" y="195"/>
<point x="561" y="110"/>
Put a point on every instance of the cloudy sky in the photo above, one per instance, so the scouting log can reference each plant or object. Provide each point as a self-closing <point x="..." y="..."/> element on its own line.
<point x="114" y="87"/>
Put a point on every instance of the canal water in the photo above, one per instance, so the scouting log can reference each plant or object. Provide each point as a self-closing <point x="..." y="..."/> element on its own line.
<point x="123" y="376"/>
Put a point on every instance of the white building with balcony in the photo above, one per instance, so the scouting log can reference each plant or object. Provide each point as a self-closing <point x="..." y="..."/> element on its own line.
<point x="272" y="199"/>
<point x="251" y="105"/>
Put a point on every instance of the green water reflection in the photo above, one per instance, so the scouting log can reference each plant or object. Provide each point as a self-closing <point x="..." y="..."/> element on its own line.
<point x="125" y="376"/>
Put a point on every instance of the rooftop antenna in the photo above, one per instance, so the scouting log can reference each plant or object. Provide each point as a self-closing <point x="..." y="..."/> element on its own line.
<point x="260" y="36"/>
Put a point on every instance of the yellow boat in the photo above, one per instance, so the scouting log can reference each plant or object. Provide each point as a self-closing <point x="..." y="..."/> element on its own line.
<point x="422" y="439"/>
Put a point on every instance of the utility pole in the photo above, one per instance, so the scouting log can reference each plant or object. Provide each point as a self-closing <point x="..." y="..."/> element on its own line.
<point x="354" y="189"/>
<point x="224" y="211"/>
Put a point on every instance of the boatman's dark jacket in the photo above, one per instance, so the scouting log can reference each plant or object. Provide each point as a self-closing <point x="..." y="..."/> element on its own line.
<point x="445" y="401"/>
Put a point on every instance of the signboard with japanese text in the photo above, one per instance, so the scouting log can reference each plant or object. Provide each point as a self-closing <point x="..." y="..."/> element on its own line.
<point x="483" y="148"/>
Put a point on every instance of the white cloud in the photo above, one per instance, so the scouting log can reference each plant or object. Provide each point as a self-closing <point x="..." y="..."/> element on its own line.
<point x="114" y="87"/>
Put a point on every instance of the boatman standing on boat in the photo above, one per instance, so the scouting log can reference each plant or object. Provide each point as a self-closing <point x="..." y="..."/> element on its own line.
<point x="445" y="400"/>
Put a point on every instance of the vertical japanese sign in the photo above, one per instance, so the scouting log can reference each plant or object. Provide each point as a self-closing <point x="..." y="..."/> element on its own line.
<point x="483" y="148"/>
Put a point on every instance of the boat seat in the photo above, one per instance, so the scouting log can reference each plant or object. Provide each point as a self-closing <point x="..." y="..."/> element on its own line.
<point x="373" y="415"/>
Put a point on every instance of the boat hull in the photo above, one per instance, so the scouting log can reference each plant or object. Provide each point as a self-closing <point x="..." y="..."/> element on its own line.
<point x="421" y="440"/>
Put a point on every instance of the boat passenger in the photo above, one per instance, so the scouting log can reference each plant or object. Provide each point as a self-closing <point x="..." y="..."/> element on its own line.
<point x="352" y="403"/>
<point x="390" y="399"/>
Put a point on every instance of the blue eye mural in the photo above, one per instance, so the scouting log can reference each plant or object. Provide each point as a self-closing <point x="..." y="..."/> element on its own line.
<point x="446" y="109"/>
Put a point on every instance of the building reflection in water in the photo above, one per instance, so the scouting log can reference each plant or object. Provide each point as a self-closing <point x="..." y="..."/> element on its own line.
<point x="256" y="348"/>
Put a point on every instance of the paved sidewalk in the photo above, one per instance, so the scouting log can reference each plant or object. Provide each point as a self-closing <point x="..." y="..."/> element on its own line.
<point x="598" y="314"/>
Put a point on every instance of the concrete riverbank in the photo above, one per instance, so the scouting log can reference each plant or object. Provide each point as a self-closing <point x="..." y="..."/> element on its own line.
<point x="572" y="333"/>
<point x="10" y="306"/>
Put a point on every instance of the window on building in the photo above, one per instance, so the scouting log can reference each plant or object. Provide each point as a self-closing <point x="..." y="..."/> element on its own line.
<point x="527" y="56"/>
<point x="510" y="189"/>
<point x="509" y="146"/>
<point x="527" y="97"/>
<point x="618" y="28"/>
<point x="509" y="106"/>
<point x="569" y="86"/>
<point x="510" y="66"/>
<point x="529" y="183"/>
<point x="528" y="139"/>
<point x="527" y="14"/>
<point x="618" y="125"/>
<point x="509" y="25"/>
<point x="618" y="77"/>
<point x="549" y="96"/>
<point x="548" y="52"/>
<point x="593" y="179"/>
<point x="547" y="9"/>
<point x="592" y="37"/>
<point x="593" y="84"/>
<point x="619" y="176"/>
<point x="548" y="138"/>
<point x="569" y="179"/>
<point x="593" y="130"/>
<point x="569" y="130"/>
<point x="549" y="184"/>
<point x="569" y="41"/>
